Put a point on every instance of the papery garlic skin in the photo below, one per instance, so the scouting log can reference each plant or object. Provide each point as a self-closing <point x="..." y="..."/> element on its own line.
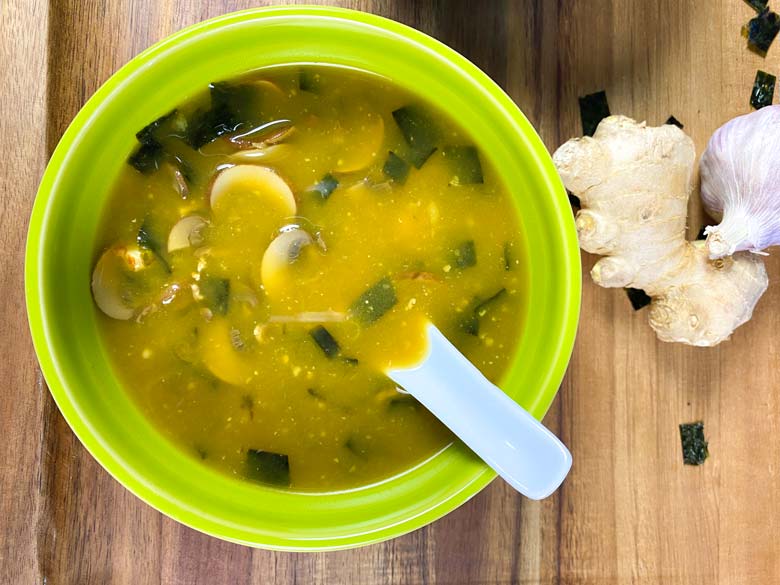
<point x="740" y="183"/>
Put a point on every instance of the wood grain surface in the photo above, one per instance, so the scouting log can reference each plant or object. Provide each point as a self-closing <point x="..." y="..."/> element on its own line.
<point x="629" y="513"/>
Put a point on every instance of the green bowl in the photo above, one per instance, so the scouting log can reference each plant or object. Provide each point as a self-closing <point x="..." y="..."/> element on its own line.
<point x="64" y="224"/>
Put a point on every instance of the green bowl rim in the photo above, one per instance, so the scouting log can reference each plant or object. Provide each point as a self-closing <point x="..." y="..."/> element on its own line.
<point x="570" y="268"/>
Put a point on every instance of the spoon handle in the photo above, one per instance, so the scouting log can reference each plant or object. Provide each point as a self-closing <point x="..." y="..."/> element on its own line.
<point x="502" y="433"/>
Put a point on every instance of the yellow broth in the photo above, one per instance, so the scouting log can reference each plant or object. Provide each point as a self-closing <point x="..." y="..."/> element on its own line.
<point x="273" y="371"/>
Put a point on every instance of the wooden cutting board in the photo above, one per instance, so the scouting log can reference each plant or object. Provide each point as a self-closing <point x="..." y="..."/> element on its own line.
<point x="629" y="513"/>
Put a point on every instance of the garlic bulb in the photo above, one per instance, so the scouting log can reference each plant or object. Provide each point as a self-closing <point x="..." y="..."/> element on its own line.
<point x="740" y="183"/>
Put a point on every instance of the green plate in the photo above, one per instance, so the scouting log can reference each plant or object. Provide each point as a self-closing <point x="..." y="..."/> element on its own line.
<point x="64" y="224"/>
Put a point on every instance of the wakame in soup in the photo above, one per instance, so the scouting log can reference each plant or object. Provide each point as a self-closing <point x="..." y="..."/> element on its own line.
<point x="274" y="244"/>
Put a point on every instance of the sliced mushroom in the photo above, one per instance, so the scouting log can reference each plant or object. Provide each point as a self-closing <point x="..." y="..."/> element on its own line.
<point x="359" y="140"/>
<point x="284" y="251"/>
<point x="266" y="153"/>
<point x="220" y="356"/>
<point x="109" y="281"/>
<point x="266" y="134"/>
<point x="186" y="232"/>
<point x="261" y="181"/>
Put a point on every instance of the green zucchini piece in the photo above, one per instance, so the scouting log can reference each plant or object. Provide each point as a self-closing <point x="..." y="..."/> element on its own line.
<point x="396" y="168"/>
<point x="419" y="131"/>
<point x="375" y="302"/>
<point x="479" y="308"/>
<point x="216" y="294"/>
<point x="465" y="255"/>
<point x="638" y="298"/>
<point x="763" y="90"/>
<point x="148" y="238"/>
<point x="694" y="446"/>
<point x="593" y="109"/>
<point x="325" y="187"/>
<point x="326" y="342"/>
<point x="464" y="164"/>
<point x="267" y="467"/>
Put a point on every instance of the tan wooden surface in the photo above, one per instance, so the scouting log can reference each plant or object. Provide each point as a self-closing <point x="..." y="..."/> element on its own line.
<point x="629" y="513"/>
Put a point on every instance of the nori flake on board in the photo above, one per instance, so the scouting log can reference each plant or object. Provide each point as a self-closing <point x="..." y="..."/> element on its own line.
<point x="593" y="109"/>
<point x="757" y="5"/>
<point x="761" y="31"/>
<point x="763" y="90"/>
<point x="694" y="446"/>
<point x="674" y="122"/>
<point x="638" y="298"/>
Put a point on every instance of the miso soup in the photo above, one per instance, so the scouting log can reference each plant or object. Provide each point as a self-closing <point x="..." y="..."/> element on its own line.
<point x="274" y="244"/>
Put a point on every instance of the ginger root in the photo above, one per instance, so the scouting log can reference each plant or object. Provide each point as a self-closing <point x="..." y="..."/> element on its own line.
<point x="634" y="183"/>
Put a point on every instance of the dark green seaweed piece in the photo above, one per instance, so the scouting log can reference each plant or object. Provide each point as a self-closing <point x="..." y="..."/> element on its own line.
<point x="309" y="80"/>
<point x="479" y="308"/>
<point x="638" y="298"/>
<point x="356" y="446"/>
<point x="150" y="152"/>
<point x="146" y="158"/>
<point x="323" y="338"/>
<point x="674" y="122"/>
<point x="396" y="168"/>
<point x="420" y="132"/>
<point x="763" y="90"/>
<point x="574" y="201"/>
<point x="465" y="255"/>
<point x="350" y="361"/>
<point x="233" y="106"/>
<point x="701" y="235"/>
<point x="761" y="31"/>
<point x="508" y="260"/>
<point x="202" y="453"/>
<point x="216" y="294"/>
<point x="325" y="187"/>
<point x="694" y="446"/>
<point x="402" y="400"/>
<point x="593" y="109"/>
<point x="758" y="5"/>
<point x="465" y="165"/>
<point x="267" y="467"/>
<point x="248" y="404"/>
<point x="315" y="393"/>
<point x="148" y="238"/>
<point x="375" y="302"/>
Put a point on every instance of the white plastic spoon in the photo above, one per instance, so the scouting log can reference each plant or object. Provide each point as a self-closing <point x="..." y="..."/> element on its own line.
<point x="502" y="433"/>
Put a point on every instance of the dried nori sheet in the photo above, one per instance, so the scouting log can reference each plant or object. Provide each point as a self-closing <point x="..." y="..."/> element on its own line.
<point x="757" y="5"/>
<point x="674" y="122"/>
<point x="761" y="31"/>
<point x="638" y="298"/>
<point x="763" y="90"/>
<point x="694" y="446"/>
<point x="593" y="109"/>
